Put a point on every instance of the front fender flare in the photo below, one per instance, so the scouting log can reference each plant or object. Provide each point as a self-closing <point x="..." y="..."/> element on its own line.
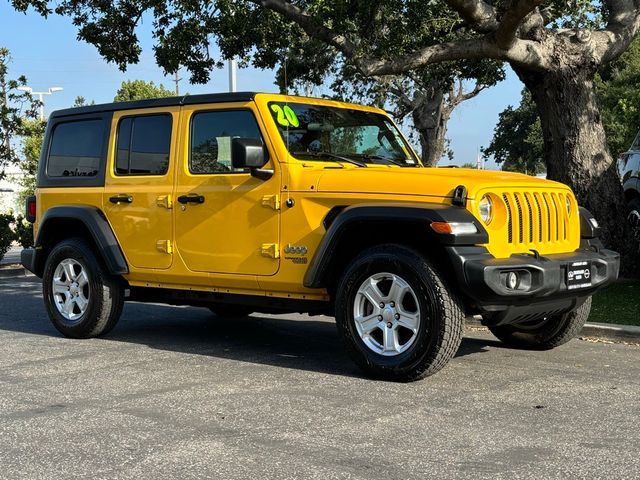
<point x="415" y="216"/>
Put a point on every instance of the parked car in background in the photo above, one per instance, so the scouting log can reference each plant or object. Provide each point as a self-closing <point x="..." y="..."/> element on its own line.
<point x="629" y="169"/>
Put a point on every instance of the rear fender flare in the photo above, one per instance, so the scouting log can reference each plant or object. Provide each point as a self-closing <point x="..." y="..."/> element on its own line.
<point x="96" y="224"/>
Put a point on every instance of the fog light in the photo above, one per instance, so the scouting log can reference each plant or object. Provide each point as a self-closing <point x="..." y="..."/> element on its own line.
<point x="512" y="280"/>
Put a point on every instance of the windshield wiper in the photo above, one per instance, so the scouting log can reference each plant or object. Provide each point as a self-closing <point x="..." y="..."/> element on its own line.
<point x="330" y="156"/>
<point x="367" y="156"/>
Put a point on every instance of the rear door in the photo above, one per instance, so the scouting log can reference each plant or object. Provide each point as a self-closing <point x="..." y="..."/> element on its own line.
<point x="139" y="182"/>
<point x="226" y="220"/>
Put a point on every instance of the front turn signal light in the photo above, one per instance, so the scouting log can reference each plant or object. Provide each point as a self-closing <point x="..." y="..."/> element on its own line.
<point x="454" y="228"/>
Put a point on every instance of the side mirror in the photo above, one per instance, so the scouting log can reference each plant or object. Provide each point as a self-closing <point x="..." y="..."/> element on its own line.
<point x="247" y="153"/>
<point x="250" y="153"/>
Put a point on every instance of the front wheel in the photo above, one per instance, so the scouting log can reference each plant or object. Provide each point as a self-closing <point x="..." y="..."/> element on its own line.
<point x="395" y="315"/>
<point x="546" y="333"/>
<point x="83" y="300"/>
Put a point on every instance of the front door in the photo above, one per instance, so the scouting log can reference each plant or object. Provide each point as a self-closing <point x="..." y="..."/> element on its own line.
<point x="139" y="183"/>
<point x="226" y="220"/>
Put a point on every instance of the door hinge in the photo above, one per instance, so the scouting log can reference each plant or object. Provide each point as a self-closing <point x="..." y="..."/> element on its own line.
<point x="271" y="201"/>
<point x="165" y="201"/>
<point x="164" y="246"/>
<point x="271" y="250"/>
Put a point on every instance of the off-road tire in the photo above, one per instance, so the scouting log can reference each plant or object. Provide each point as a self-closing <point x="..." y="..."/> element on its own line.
<point x="106" y="292"/>
<point x="555" y="331"/>
<point x="441" y="322"/>
<point x="230" y="311"/>
<point x="633" y="216"/>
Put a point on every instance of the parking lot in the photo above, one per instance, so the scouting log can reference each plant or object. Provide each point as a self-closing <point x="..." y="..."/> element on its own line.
<point x="178" y="393"/>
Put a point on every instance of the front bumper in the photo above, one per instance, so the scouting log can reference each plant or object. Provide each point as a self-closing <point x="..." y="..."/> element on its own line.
<point x="543" y="289"/>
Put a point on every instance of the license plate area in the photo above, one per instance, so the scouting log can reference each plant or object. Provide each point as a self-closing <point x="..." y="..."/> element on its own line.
<point x="578" y="275"/>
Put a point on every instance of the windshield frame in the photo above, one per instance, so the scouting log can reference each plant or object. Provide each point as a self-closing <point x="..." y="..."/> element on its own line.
<point x="412" y="160"/>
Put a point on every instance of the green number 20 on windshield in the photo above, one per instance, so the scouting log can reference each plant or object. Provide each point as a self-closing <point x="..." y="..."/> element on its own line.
<point x="285" y="116"/>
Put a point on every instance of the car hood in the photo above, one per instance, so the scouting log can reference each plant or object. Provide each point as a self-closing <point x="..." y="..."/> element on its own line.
<point x="433" y="182"/>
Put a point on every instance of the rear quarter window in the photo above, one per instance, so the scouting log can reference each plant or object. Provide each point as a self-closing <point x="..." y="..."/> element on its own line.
<point x="76" y="149"/>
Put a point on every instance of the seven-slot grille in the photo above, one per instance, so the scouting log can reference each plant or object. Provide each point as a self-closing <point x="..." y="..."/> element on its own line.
<point x="536" y="217"/>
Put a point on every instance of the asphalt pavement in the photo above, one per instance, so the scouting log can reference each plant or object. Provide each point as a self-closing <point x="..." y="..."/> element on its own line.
<point x="175" y="392"/>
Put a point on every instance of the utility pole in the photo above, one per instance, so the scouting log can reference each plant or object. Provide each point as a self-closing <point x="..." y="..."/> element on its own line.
<point x="177" y="82"/>
<point x="41" y="95"/>
<point x="233" y="85"/>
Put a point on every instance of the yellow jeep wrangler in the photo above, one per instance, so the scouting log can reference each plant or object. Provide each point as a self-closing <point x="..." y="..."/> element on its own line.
<point x="246" y="202"/>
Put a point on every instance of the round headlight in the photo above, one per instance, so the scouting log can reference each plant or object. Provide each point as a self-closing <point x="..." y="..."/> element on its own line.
<point x="568" y="201"/>
<point x="486" y="209"/>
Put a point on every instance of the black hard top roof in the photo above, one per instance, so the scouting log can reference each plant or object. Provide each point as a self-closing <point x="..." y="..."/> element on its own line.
<point x="158" y="102"/>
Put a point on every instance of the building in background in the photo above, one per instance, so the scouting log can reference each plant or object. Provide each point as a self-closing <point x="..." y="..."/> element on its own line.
<point x="9" y="190"/>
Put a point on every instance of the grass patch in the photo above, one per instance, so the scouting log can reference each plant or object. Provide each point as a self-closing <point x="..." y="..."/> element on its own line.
<point x="617" y="303"/>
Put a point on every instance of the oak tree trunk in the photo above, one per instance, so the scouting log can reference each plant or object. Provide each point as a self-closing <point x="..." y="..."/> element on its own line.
<point x="430" y="120"/>
<point x="576" y="151"/>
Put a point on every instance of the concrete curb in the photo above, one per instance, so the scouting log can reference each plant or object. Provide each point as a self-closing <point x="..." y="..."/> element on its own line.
<point x="604" y="331"/>
<point x="611" y="331"/>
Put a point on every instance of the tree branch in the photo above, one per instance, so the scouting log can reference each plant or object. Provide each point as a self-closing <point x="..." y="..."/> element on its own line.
<point x="478" y="14"/>
<point x="403" y="98"/>
<point x="624" y="24"/>
<point x="522" y="52"/>
<point x="474" y="93"/>
<point x="513" y="17"/>
<point x="310" y="25"/>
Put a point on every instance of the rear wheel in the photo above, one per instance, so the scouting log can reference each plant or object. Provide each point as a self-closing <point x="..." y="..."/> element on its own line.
<point x="82" y="299"/>
<point x="546" y="333"/>
<point x="395" y="315"/>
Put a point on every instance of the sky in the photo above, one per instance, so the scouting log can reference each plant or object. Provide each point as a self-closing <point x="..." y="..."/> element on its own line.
<point x="49" y="54"/>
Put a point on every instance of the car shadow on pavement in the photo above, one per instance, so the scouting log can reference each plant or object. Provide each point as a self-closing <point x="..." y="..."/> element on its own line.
<point x="307" y="343"/>
<point x="304" y="343"/>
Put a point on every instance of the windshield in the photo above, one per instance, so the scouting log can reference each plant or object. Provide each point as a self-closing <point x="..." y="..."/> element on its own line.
<point x="330" y="134"/>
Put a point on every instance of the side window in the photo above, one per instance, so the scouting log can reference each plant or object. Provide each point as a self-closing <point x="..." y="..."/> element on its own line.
<point x="211" y="134"/>
<point x="76" y="148"/>
<point x="143" y="145"/>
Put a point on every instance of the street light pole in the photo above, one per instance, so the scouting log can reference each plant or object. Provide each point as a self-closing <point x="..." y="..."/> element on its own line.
<point x="233" y="86"/>
<point x="41" y="95"/>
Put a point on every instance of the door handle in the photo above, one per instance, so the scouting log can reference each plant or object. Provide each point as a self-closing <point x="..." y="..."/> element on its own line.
<point x="121" y="199"/>
<point x="191" y="198"/>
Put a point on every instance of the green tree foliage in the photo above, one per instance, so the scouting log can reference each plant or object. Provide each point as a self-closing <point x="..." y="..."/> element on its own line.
<point x="80" y="101"/>
<point x="16" y="107"/>
<point x="618" y="87"/>
<point x="517" y="139"/>
<point x="32" y="138"/>
<point x="7" y="236"/>
<point x="23" y="232"/>
<point x="140" y="90"/>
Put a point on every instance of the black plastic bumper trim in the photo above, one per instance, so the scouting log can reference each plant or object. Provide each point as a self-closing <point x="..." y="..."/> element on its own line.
<point x="480" y="276"/>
